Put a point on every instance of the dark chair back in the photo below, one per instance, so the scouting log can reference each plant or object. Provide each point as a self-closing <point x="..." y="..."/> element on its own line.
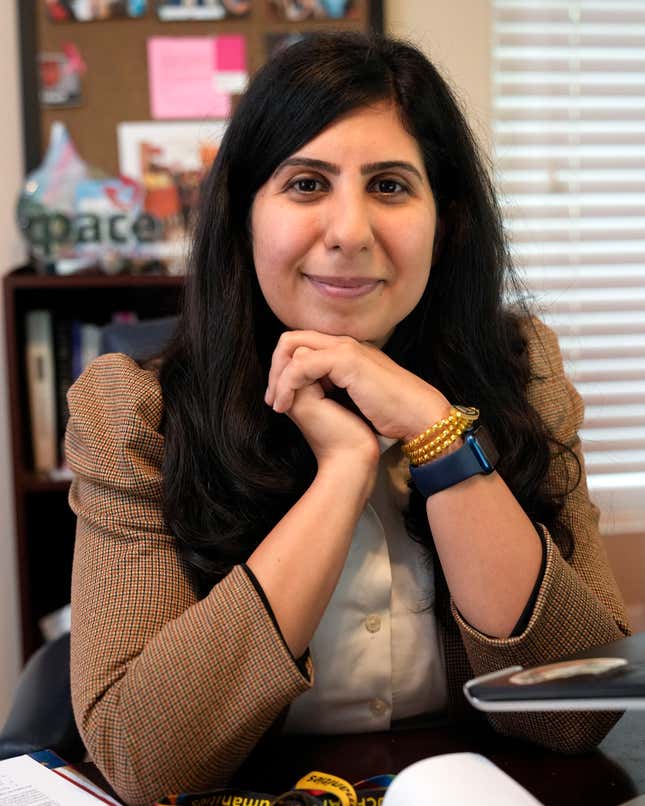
<point x="41" y="715"/>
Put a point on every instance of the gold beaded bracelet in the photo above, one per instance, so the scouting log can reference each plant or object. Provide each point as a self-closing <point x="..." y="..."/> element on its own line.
<point x="438" y="437"/>
<point x="430" y="451"/>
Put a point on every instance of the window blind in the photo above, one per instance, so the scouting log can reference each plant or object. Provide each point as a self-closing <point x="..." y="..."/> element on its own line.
<point x="569" y="154"/>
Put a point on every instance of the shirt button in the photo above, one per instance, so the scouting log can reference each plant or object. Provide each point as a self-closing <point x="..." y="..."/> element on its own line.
<point x="378" y="707"/>
<point x="373" y="623"/>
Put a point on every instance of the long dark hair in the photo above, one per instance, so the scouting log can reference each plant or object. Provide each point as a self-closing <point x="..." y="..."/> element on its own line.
<point x="232" y="466"/>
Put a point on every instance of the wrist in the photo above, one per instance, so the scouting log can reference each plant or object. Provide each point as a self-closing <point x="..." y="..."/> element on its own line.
<point x="432" y="410"/>
<point x="348" y="472"/>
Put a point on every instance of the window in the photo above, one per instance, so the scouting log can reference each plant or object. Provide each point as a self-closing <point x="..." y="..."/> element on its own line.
<point x="569" y="151"/>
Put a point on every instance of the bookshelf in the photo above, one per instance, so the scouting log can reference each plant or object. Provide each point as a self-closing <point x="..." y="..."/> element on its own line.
<point x="45" y="526"/>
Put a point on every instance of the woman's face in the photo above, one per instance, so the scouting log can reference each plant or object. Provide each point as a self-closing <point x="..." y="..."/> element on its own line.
<point x="344" y="228"/>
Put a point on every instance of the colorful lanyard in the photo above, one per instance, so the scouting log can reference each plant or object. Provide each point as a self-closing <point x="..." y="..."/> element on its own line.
<point x="314" y="789"/>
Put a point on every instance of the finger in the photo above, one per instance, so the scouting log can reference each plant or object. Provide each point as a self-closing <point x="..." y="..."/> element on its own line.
<point x="305" y="368"/>
<point x="288" y="343"/>
<point x="337" y="365"/>
<point x="300" y="372"/>
<point x="301" y="411"/>
<point x="302" y="397"/>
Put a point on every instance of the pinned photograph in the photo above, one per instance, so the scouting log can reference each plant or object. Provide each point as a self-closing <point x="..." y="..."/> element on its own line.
<point x="177" y="10"/>
<point x="60" y="77"/>
<point x="91" y="10"/>
<point x="299" y="10"/>
<point x="169" y="160"/>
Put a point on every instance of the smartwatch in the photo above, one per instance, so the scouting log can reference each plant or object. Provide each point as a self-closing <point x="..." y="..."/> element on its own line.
<point x="477" y="455"/>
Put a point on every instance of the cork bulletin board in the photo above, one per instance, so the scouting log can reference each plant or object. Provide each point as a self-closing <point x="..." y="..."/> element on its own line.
<point x="115" y="87"/>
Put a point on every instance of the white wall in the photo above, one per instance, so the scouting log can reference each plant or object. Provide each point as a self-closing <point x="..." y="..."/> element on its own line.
<point x="11" y="254"/>
<point x="456" y="37"/>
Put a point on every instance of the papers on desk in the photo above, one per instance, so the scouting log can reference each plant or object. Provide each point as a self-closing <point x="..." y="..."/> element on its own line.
<point x="456" y="779"/>
<point x="44" y="779"/>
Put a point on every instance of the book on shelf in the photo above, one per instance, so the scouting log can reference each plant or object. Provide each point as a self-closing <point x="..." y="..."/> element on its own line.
<point x="41" y="384"/>
<point x="64" y="375"/>
<point x="90" y="343"/>
<point x="57" y="350"/>
<point x="85" y="345"/>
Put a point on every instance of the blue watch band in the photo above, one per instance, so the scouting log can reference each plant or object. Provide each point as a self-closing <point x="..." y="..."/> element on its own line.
<point x="476" y="455"/>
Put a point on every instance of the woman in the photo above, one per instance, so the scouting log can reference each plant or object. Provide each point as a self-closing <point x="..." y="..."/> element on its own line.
<point x="247" y="497"/>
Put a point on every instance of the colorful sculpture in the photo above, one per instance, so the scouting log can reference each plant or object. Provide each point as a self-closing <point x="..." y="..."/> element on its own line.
<point x="75" y="216"/>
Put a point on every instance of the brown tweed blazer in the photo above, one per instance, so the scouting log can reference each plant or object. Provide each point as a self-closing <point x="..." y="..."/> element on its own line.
<point x="171" y="693"/>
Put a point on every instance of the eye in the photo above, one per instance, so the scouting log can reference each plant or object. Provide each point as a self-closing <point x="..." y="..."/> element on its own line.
<point x="306" y="185"/>
<point x="389" y="187"/>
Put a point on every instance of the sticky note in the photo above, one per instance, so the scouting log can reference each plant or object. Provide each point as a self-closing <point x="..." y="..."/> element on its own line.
<point x="184" y="75"/>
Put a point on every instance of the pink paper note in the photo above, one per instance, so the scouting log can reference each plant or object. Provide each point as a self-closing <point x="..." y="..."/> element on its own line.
<point x="182" y="81"/>
<point x="230" y="63"/>
<point x="230" y="53"/>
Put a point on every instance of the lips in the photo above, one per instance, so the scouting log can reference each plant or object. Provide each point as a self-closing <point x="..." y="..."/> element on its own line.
<point x="343" y="282"/>
<point x="343" y="286"/>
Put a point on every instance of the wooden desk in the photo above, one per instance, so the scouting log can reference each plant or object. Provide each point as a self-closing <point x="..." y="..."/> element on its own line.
<point x="608" y="776"/>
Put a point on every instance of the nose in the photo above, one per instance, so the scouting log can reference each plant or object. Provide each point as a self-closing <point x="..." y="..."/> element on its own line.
<point x="349" y="227"/>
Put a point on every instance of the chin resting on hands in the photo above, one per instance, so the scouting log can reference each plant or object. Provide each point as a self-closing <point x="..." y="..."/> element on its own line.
<point x="396" y="402"/>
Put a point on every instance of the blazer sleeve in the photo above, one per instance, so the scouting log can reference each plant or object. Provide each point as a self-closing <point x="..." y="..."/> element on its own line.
<point x="169" y="693"/>
<point x="578" y="604"/>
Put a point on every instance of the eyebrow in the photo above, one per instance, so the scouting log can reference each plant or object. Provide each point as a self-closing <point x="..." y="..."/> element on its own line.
<point x="330" y="167"/>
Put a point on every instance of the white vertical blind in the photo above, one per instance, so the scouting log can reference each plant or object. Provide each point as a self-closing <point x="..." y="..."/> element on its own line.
<point x="569" y="151"/>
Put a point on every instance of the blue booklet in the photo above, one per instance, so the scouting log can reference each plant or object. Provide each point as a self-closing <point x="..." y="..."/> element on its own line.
<point x="605" y="678"/>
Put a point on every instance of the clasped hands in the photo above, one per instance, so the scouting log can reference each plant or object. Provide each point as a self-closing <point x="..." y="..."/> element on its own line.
<point x="307" y="364"/>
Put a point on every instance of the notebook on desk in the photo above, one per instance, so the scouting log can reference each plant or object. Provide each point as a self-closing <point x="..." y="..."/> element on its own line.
<point x="605" y="678"/>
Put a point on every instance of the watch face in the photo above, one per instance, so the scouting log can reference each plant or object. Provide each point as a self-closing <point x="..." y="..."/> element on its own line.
<point x="469" y="412"/>
<point x="484" y="448"/>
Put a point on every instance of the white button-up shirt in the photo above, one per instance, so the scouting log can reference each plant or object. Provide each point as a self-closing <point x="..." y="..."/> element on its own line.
<point x="376" y="652"/>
